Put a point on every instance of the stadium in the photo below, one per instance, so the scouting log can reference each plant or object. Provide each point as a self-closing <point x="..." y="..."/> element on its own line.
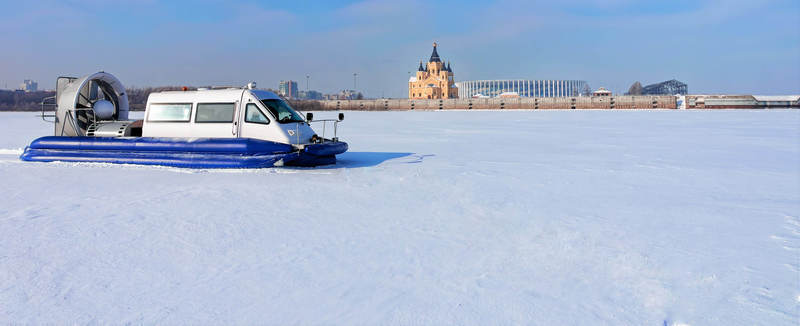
<point x="524" y="88"/>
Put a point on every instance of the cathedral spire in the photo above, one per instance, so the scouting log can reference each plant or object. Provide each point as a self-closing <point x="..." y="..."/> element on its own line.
<point x="448" y="67"/>
<point x="435" y="55"/>
<point x="420" y="66"/>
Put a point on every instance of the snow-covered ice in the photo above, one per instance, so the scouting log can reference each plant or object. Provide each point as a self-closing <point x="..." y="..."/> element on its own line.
<point x="545" y="217"/>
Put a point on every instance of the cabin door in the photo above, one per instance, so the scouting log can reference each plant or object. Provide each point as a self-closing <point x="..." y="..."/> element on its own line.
<point x="215" y="120"/>
<point x="255" y="122"/>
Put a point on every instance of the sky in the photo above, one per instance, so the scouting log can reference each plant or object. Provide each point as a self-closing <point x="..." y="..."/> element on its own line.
<point x="715" y="46"/>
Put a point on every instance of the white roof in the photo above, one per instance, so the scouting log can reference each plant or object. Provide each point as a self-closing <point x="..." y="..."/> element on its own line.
<point x="228" y="94"/>
<point x="777" y="98"/>
<point x="412" y="79"/>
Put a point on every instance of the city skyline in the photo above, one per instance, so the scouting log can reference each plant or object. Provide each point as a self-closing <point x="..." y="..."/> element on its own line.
<point x="714" y="46"/>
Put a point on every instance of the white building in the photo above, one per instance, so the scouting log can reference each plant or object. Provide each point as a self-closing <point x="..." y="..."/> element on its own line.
<point x="524" y="88"/>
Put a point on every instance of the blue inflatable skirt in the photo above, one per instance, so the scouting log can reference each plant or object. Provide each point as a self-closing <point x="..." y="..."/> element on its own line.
<point x="180" y="152"/>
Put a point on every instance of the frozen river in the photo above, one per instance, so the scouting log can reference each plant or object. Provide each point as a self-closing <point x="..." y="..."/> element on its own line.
<point x="503" y="217"/>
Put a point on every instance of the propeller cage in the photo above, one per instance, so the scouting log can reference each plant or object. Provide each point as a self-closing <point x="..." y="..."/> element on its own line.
<point x="75" y="98"/>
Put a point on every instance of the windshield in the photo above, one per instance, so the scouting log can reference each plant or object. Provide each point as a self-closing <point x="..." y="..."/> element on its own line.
<point x="282" y="111"/>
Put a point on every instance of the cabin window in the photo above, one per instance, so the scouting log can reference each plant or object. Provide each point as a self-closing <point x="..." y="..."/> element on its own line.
<point x="214" y="113"/>
<point x="254" y="115"/>
<point x="169" y="112"/>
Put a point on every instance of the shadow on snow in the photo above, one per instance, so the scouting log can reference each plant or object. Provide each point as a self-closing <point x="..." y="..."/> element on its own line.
<point x="364" y="159"/>
<point x="350" y="160"/>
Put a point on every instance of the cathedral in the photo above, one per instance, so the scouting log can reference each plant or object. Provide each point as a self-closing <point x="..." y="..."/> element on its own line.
<point x="434" y="80"/>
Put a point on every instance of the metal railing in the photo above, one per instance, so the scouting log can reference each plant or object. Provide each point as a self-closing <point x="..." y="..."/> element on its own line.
<point x="50" y="101"/>
<point x="324" y="127"/>
<point x="310" y="119"/>
<point x="45" y="103"/>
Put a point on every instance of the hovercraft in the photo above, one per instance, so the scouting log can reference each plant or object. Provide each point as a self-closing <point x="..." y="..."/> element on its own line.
<point x="203" y="128"/>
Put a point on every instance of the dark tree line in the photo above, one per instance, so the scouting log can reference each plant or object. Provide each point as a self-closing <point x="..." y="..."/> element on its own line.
<point x="137" y="97"/>
<point x="31" y="101"/>
<point x="22" y="101"/>
<point x="305" y="105"/>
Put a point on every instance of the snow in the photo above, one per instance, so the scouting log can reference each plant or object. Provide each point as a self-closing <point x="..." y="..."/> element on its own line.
<point x="503" y="217"/>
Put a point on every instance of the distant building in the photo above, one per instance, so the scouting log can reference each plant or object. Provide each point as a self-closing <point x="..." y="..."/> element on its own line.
<point x="740" y="102"/>
<point x="310" y="95"/>
<point x="347" y="94"/>
<point x="29" y="86"/>
<point x="524" y="88"/>
<point x="350" y="94"/>
<point x="288" y="88"/>
<point x="670" y="87"/>
<point x="433" y="81"/>
<point x="601" y="92"/>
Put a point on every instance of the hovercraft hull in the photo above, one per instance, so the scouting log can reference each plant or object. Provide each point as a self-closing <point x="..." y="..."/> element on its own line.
<point x="319" y="154"/>
<point x="177" y="152"/>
